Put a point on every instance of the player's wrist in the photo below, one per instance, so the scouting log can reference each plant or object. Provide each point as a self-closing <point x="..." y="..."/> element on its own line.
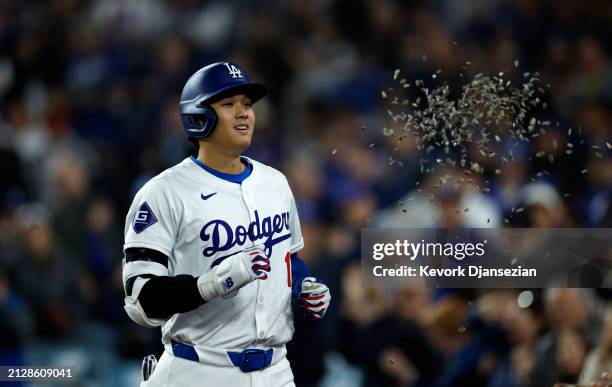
<point x="297" y="285"/>
<point x="233" y="273"/>
<point x="299" y="272"/>
<point x="208" y="285"/>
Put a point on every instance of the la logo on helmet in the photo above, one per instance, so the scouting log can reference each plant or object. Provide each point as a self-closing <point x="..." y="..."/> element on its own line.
<point x="233" y="71"/>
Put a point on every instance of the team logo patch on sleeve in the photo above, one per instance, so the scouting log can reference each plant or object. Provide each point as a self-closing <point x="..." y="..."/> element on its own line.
<point x="144" y="218"/>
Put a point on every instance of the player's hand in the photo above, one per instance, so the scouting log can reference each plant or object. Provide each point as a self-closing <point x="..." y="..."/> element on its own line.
<point x="260" y="263"/>
<point x="233" y="273"/>
<point x="314" y="297"/>
<point x="606" y="381"/>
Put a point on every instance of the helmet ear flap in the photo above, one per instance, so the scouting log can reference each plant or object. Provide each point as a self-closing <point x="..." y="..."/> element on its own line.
<point x="201" y="124"/>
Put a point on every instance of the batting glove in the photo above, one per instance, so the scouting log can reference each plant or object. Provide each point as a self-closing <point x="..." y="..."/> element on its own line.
<point x="233" y="273"/>
<point x="260" y="263"/>
<point x="314" y="297"/>
<point x="148" y="366"/>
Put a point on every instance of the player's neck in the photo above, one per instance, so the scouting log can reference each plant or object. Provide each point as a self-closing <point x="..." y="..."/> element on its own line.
<point x="220" y="161"/>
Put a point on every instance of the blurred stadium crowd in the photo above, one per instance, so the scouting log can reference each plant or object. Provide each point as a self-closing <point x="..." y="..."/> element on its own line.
<point x="89" y="93"/>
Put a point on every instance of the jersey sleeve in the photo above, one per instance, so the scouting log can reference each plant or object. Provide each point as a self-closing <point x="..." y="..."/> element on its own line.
<point x="152" y="220"/>
<point x="297" y="241"/>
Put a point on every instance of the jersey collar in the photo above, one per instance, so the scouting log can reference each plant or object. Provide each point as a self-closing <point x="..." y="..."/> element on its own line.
<point x="237" y="178"/>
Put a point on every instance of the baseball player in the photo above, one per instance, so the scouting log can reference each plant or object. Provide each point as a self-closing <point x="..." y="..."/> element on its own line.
<point x="211" y="249"/>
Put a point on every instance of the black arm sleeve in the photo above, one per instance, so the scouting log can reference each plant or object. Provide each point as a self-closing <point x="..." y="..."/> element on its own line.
<point x="163" y="296"/>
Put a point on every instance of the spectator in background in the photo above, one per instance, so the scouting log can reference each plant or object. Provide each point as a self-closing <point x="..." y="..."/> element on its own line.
<point x="385" y="339"/>
<point x="103" y="238"/>
<point x="15" y="322"/>
<point x="572" y="322"/>
<point x="47" y="277"/>
<point x="69" y="182"/>
<point x="599" y="360"/>
<point x="444" y="322"/>
<point x="596" y="202"/>
<point x="444" y="199"/>
<point x="28" y="138"/>
<point x="525" y="326"/>
<point x="545" y="208"/>
<point x="570" y="354"/>
<point x="485" y="359"/>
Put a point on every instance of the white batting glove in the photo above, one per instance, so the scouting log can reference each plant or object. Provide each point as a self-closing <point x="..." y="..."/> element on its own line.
<point x="233" y="273"/>
<point x="314" y="297"/>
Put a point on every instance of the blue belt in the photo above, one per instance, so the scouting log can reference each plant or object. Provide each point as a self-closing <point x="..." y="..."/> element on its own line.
<point x="248" y="360"/>
<point x="251" y="359"/>
<point x="185" y="351"/>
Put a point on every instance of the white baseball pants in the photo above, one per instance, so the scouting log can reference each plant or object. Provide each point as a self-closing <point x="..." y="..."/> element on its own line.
<point x="172" y="371"/>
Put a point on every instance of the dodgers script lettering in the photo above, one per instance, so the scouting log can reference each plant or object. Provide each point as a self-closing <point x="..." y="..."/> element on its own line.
<point x="222" y="237"/>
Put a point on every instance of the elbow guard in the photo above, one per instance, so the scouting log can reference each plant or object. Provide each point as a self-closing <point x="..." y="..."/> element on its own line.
<point x="138" y="264"/>
<point x="135" y="312"/>
<point x="134" y="309"/>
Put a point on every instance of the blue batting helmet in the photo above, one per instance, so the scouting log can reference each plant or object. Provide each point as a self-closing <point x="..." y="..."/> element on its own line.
<point x="207" y="85"/>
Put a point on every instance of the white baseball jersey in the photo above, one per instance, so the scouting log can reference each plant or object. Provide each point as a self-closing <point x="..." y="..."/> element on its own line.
<point x="197" y="219"/>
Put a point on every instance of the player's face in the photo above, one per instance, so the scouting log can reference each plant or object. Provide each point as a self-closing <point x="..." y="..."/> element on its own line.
<point x="235" y="124"/>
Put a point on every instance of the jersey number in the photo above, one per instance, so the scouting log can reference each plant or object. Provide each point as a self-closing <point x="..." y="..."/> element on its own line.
<point x="288" y="264"/>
